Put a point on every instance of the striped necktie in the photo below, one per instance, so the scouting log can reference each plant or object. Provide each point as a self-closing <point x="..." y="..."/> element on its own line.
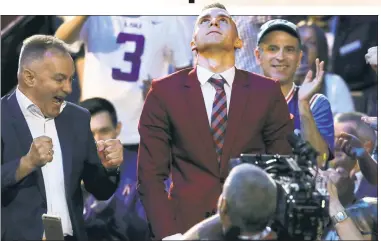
<point x="219" y="120"/>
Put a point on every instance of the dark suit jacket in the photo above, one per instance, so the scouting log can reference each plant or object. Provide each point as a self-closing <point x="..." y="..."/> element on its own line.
<point x="23" y="202"/>
<point x="174" y="131"/>
<point x="123" y="216"/>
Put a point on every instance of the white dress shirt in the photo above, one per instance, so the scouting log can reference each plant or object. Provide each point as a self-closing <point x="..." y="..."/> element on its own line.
<point x="52" y="172"/>
<point x="209" y="92"/>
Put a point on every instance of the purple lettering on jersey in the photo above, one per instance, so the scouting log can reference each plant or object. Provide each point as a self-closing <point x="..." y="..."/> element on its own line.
<point x="134" y="58"/>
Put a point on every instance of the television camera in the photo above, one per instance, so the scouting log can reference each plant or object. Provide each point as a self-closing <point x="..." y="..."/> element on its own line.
<point x="302" y="210"/>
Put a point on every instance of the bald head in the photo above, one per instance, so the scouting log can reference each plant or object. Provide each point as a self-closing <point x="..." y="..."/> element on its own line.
<point x="251" y="197"/>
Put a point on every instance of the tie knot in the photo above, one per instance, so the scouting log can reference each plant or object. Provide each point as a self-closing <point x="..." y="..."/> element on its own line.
<point x="218" y="84"/>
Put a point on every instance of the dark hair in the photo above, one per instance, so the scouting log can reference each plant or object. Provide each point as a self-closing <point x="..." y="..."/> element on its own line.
<point x="321" y="50"/>
<point x="36" y="46"/>
<point x="214" y="5"/>
<point x="97" y="105"/>
<point x="321" y="45"/>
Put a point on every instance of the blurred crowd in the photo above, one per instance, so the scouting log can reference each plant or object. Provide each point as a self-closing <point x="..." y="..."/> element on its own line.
<point x="340" y="41"/>
<point x="346" y="44"/>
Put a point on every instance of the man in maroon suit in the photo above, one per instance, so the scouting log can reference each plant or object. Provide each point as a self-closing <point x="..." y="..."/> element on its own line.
<point x="195" y="120"/>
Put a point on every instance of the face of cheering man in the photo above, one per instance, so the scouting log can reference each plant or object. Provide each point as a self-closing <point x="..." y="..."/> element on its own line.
<point x="279" y="55"/>
<point x="215" y="30"/>
<point x="48" y="80"/>
<point x="102" y="127"/>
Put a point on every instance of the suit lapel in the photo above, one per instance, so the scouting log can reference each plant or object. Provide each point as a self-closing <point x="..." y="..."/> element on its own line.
<point x="239" y="96"/>
<point x="63" y="130"/>
<point x="197" y="112"/>
<point x="25" y="137"/>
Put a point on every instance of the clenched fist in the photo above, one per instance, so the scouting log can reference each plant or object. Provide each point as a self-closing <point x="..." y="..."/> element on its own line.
<point x="110" y="152"/>
<point x="40" y="152"/>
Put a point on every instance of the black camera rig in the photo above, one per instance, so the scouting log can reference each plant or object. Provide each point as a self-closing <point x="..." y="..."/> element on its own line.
<point x="302" y="211"/>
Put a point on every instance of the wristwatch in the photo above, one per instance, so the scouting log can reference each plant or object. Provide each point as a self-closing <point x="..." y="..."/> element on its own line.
<point x="339" y="217"/>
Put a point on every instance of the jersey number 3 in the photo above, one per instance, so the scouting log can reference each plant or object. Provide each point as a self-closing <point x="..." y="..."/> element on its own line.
<point x="134" y="58"/>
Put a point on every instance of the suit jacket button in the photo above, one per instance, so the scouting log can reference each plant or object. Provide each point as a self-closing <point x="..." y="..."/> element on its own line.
<point x="222" y="180"/>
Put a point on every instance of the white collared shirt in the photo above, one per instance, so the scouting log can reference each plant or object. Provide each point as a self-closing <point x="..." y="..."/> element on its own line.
<point x="209" y="92"/>
<point x="52" y="172"/>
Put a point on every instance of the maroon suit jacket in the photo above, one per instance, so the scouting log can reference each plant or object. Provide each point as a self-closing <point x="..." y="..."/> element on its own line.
<point x="176" y="138"/>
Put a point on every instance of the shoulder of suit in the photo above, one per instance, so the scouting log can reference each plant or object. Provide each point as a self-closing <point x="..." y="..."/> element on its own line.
<point x="5" y="98"/>
<point x="74" y="109"/>
<point x="4" y="101"/>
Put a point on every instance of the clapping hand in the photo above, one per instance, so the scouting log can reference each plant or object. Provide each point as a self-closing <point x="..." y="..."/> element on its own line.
<point x="110" y="152"/>
<point x="311" y="85"/>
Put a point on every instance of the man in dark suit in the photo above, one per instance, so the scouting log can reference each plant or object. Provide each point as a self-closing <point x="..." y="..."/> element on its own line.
<point x="186" y="130"/>
<point x="48" y="148"/>
<point x="122" y="216"/>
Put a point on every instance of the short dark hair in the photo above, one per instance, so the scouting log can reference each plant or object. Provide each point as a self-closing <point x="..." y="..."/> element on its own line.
<point x="214" y="5"/>
<point x="321" y="45"/>
<point x="35" y="47"/>
<point x="97" y="105"/>
<point x="321" y="51"/>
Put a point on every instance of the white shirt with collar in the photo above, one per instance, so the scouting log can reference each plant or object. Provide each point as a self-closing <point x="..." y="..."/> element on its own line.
<point x="52" y="172"/>
<point x="209" y="92"/>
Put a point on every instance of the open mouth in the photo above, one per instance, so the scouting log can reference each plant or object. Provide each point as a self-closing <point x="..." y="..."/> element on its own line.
<point x="58" y="100"/>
